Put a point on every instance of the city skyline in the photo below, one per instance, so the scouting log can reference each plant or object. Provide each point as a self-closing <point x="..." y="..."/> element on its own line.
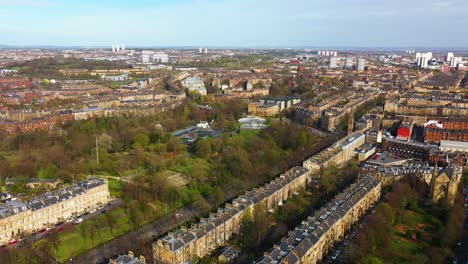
<point x="353" y="23"/>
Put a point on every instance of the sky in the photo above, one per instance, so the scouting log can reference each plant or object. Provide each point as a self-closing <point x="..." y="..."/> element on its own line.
<point x="235" y="23"/>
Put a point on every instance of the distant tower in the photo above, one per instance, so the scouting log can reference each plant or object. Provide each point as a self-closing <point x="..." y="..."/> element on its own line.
<point x="206" y="51"/>
<point x="450" y="55"/>
<point x="349" y="63"/>
<point x="123" y="46"/>
<point x="361" y="64"/>
<point x="200" y="50"/>
<point x="113" y="48"/>
<point x="333" y="63"/>
<point x="380" y="134"/>
<point x="351" y="123"/>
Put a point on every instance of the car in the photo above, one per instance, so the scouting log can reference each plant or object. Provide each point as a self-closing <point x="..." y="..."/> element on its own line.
<point x="41" y="231"/>
<point x="59" y="224"/>
<point x="12" y="242"/>
<point x="69" y="220"/>
<point x="79" y="220"/>
<point x="101" y="207"/>
<point x="4" y="248"/>
<point x="92" y="211"/>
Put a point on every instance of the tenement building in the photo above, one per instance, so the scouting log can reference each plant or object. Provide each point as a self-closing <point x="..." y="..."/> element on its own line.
<point x="339" y="153"/>
<point x="18" y="218"/>
<point x="183" y="245"/>
<point x="310" y="241"/>
<point x="413" y="150"/>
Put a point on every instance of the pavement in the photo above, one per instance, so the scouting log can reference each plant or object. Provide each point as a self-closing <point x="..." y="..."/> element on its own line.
<point x="160" y="226"/>
<point x="341" y="245"/>
<point x="146" y="233"/>
<point x="28" y="240"/>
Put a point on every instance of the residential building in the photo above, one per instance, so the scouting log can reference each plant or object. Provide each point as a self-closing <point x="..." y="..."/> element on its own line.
<point x="194" y="84"/>
<point x="339" y="153"/>
<point x="361" y="64"/>
<point x="218" y="228"/>
<point x="118" y="78"/>
<point x="314" y="237"/>
<point x="349" y="63"/>
<point x="272" y="106"/>
<point x="160" y="57"/>
<point x="422" y="59"/>
<point x="18" y="218"/>
<point x="147" y="56"/>
<point x="128" y="259"/>
<point x="333" y="63"/>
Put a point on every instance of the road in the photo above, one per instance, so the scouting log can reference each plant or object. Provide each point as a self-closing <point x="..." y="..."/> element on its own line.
<point x="341" y="245"/>
<point x="461" y="250"/>
<point x="146" y="233"/>
<point x="160" y="226"/>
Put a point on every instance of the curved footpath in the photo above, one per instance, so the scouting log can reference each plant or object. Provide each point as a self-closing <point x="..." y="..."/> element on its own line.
<point x="160" y="226"/>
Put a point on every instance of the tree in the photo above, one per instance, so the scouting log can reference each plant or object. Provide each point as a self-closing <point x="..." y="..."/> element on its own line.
<point x="141" y="140"/>
<point x="203" y="148"/>
<point x="218" y="196"/>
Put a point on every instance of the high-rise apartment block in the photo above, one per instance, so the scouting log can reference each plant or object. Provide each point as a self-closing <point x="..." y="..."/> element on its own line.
<point x="422" y="59"/>
<point x="333" y="62"/>
<point x="349" y="62"/>
<point x="361" y="64"/>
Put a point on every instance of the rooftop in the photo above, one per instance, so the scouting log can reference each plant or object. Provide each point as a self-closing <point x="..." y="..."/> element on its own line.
<point x="297" y="243"/>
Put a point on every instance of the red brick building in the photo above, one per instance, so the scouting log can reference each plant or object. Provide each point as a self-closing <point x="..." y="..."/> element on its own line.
<point x="446" y="129"/>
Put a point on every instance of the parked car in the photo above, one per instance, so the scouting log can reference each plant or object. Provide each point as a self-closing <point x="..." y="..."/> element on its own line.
<point x="79" y="220"/>
<point x="12" y="242"/>
<point x="92" y="211"/>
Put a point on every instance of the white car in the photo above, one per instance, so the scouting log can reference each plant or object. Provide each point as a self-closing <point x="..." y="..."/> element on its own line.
<point x="79" y="220"/>
<point x="92" y="211"/>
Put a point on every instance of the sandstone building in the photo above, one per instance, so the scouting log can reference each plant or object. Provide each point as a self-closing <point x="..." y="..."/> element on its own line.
<point x="311" y="240"/>
<point x="183" y="245"/>
<point x="339" y="153"/>
<point x="18" y="218"/>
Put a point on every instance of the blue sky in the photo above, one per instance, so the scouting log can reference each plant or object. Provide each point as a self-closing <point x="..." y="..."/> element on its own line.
<point x="275" y="23"/>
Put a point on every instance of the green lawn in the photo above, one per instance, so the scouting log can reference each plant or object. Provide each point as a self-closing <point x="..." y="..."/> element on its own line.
<point x="115" y="187"/>
<point x="405" y="249"/>
<point x="97" y="231"/>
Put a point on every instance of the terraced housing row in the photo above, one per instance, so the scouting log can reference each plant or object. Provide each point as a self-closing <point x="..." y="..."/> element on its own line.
<point x="311" y="240"/>
<point x="186" y="244"/>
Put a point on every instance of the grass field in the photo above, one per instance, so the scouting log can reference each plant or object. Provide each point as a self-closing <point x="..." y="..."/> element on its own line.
<point x="88" y="235"/>
<point x="92" y="233"/>
<point x="417" y="232"/>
